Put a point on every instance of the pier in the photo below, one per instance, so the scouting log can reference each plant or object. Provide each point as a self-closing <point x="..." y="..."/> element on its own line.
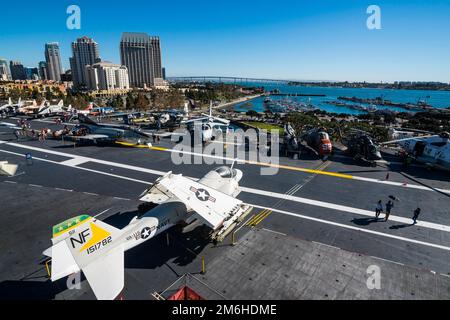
<point x="298" y="94"/>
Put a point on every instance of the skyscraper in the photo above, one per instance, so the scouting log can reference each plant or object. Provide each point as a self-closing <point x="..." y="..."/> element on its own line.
<point x="43" y="70"/>
<point x="5" y="74"/>
<point x="17" y="70"/>
<point x="141" y="54"/>
<point x="32" y="73"/>
<point x="85" y="52"/>
<point x="53" y="59"/>
<point x="156" y="52"/>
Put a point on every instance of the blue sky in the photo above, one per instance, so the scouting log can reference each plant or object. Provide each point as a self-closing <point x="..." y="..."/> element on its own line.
<point x="305" y="40"/>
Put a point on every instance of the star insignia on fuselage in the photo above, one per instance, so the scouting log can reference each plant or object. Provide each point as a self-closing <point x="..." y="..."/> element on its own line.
<point x="202" y="195"/>
<point x="145" y="233"/>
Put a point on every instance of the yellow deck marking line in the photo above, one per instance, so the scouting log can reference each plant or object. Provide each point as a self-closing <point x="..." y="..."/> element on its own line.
<point x="159" y="149"/>
<point x="128" y="144"/>
<point x="142" y="146"/>
<point x="264" y="164"/>
<point x="269" y="212"/>
<point x="251" y="221"/>
<point x="280" y="166"/>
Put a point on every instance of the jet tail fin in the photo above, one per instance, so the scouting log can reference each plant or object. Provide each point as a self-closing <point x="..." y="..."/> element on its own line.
<point x="84" y="243"/>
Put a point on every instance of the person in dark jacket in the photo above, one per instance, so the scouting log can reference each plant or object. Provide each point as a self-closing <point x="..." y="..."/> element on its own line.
<point x="416" y="215"/>
<point x="389" y="207"/>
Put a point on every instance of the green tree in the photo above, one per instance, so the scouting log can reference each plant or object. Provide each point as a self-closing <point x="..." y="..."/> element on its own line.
<point x="142" y="102"/>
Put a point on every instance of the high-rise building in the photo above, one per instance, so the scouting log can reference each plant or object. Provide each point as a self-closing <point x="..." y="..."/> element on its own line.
<point x="17" y="70"/>
<point x="107" y="76"/>
<point x="53" y="59"/>
<point x="5" y="74"/>
<point x="85" y="52"/>
<point x="141" y="54"/>
<point x="32" y="73"/>
<point x="43" y="70"/>
<point x="164" y="73"/>
<point x="157" y="63"/>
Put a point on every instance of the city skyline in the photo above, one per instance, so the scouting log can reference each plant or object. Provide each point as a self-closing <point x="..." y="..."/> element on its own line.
<point x="310" y="41"/>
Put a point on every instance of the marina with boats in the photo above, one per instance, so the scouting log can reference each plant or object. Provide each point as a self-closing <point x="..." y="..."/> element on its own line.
<point x="351" y="101"/>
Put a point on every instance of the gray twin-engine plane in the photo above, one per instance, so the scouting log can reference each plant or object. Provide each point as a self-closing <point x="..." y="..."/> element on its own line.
<point x="96" y="248"/>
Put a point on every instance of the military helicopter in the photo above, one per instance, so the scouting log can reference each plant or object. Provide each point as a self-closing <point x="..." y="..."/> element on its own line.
<point x="211" y="127"/>
<point x="315" y="140"/>
<point x="431" y="150"/>
<point x="361" y="147"/>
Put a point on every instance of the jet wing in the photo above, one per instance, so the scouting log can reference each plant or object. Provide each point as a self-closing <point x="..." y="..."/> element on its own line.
<point x="90" y="137"/>
<point x="213" y="206"/>
<point x="106" y="274"/>
<point x="9" y="126"/>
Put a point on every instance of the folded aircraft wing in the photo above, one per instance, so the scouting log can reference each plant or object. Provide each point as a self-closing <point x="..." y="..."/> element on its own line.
<point x="213" y="206"/>
<point x="106" y="274"/>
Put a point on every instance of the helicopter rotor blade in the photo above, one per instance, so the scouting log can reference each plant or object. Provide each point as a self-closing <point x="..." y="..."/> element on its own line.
<point x="407" y="139"/>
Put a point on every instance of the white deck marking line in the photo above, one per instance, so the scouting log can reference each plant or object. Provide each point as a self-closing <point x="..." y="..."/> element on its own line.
<point x="81" y="168"/>
<point x="326" y="245"/>
<point x="11" y="182"/>
<point x="104" y="211"/>
<point x="118" y="198"/>
<point x="276" y="232"/>
<point x="91" y="194"/>
<point x="156" y="172"/>
<point x="428" y="244"/>
<point x="399" y="184"/>
<point x="73" y="156"/>
<point x="254" y="191"/>
<point x="35" y="185"/>
<point x="61" y="189"/>
<point x="387" y="260"/>
<point x="342" y="208"/>
<point x="226" y="142"/>
<point x="75" y="161"/>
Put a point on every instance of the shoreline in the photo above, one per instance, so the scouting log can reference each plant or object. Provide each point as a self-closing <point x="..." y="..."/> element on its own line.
<point x="229" y="105"/>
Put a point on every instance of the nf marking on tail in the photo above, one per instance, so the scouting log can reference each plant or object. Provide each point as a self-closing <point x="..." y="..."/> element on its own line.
<point x="98" y="239"/>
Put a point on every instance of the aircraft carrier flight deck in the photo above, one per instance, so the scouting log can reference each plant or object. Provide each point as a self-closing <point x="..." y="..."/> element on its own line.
<point x="312" y="233"/>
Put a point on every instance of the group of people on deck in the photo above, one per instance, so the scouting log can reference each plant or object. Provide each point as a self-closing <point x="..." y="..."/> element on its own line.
<point x="389" y="206"/>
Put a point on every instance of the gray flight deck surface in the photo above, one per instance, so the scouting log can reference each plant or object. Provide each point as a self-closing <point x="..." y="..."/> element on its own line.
<point x="316" y="244"/>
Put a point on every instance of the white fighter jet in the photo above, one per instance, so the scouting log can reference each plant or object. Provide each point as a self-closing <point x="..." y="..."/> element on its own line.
<point x="10" y="107"/>
<point x="48" y="109"/>
<point x="6" y="106"/>
<point x="96" y="248"/>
